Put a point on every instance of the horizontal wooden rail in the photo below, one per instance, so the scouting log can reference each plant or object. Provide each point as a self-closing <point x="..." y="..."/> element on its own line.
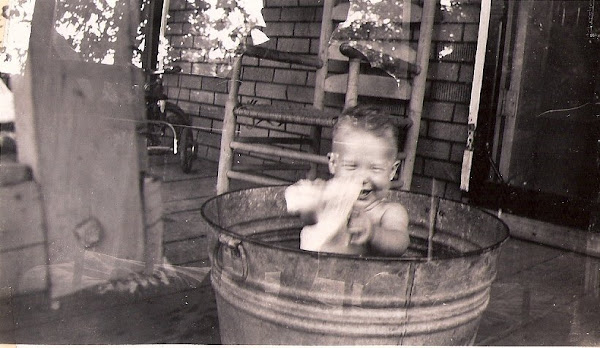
<point x="261" y="180"/>
<point x="275" y="140"/>
<point x="271" y="167"/>
<point x="371" y="85"/>
<point x="340" y="13"/>
<point x="563" y="237"/>
<point x="299" y="115"/>
<point x="284" y="57"/>
<point x="277" y="151"/>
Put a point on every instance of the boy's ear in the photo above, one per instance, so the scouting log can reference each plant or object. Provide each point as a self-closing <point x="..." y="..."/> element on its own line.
<point x="332" y="156"/>
<point x="394" y="169"/>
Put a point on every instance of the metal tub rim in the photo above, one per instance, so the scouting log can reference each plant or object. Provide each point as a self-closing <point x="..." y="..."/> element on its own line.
<point x="246" y="239"/>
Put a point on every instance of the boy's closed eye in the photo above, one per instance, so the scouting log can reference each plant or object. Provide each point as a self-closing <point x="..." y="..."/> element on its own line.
<point x="349" y="165"/>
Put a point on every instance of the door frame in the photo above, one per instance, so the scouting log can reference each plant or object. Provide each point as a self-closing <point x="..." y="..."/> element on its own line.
<point x="487" y="186"/>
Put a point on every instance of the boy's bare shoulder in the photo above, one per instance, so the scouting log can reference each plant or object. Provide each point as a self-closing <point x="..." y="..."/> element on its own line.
<point x="394" y="213"/>
<point x="394" y="207"/>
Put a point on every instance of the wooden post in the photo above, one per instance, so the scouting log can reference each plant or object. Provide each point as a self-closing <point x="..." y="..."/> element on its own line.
<point x="163" y="29"/>
<point x="229" y="125"/>
<point x="153" y="30"/>
<point x="321" y="74"/>
<point x="353" y="81"/>
<point x="482" y="36"/>
<point x="415" y="107"/>
<point x="76" y="128"/>
<point x="511" y="107"/>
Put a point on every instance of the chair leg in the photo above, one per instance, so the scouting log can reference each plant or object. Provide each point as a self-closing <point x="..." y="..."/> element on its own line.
<point x="229" y="125"/>
<point x="353" y="81"/>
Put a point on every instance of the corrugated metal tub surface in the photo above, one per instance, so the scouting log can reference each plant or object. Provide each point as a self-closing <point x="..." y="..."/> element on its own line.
<point x="271" y="292"/>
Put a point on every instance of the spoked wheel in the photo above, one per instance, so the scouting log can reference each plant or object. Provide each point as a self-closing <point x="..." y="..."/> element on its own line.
<point x="187" y="150"/>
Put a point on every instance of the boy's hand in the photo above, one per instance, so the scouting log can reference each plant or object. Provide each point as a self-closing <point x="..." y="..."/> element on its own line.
<point x="304" y="196"/>
<point x="359" y="227"/>
<point x="338" y="198"/>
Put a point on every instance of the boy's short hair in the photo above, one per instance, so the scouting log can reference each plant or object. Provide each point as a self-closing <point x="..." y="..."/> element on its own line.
<point x="368" y="118"/>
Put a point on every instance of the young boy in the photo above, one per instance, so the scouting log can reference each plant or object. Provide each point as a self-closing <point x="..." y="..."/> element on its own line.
<point x="350" y="214"/>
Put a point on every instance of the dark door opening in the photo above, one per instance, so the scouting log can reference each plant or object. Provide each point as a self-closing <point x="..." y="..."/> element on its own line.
<point x="535" y="154"/>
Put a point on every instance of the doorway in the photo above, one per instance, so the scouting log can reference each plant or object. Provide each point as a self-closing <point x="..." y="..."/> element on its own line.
<point x="536" y="148"/>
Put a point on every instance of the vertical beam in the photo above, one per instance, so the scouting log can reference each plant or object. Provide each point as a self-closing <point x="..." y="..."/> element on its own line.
<point x="482" y="35"/>
<point x="76" y="129"/>
<point x="504" y="77"/>
<point x="321" y="74"/>
<point x="418" y="91"/>
<point x="511" y="102"/>
<point x="229" y="125"/>
<point x="326" y="30"/>
<point x="353" y="81"/>
<point x="153" y="30"/>
<point x="163" y="29"/>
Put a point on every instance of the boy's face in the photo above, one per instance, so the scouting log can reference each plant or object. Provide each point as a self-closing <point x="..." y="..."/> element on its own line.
<point x="357" y="153"/>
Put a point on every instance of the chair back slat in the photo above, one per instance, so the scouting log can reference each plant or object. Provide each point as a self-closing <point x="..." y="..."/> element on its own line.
<point x="283" y="57"/>
<point x="371" y="86"/>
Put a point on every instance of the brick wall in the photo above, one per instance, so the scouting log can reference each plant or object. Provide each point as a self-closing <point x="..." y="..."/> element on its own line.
<point x="293" y="25"/>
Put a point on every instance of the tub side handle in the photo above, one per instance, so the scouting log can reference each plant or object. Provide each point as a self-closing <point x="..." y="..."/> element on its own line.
<point x="236" y="250"/>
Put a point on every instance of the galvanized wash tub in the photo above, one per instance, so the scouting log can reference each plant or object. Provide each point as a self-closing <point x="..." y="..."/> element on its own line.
<point x="271" y="292"/>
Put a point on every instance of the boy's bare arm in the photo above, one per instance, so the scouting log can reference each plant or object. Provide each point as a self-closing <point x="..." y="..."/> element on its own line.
<point x="391" y="238"/>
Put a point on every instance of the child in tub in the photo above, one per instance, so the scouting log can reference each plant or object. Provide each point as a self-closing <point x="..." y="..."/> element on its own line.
<point x="349" y="214"/>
